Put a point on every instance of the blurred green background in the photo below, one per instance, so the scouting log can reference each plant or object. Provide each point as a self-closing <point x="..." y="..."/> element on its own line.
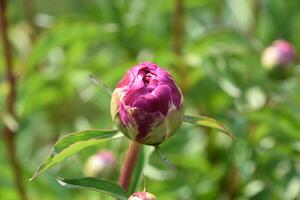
<point x="213" y="49"/>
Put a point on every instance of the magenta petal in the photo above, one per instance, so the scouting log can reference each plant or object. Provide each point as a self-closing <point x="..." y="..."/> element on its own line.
<point x="176" y="96"/>
<point x="149" y="78"/>
<point x="133" y="95"/>
<point x="143" y="104"/>
<point x="147" y="94"/>
<point x="144" y="122"/>
<point x="163" y="96"/>
<point x="123" y="114"/>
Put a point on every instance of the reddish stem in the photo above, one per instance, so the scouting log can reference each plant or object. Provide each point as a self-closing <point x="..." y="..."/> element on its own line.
<point x="129" y="166"/>
<point x="9" y="134"/>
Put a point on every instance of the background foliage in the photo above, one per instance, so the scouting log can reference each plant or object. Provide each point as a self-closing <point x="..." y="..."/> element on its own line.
<point x="57" y="44"/>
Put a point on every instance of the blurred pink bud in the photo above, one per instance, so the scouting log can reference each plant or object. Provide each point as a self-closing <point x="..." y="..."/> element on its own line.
<point x="280" y="53"/>
<point x="99" y="163"/>
<point x="147" y="105"/>
<point x="142" y="196"/>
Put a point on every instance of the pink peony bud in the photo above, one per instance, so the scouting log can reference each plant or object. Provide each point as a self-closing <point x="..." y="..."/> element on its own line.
<point x="147" y="105"/>
<point x="99" y="163"/>
<point x="142" y="196"/>
<point x="280" y="53"/>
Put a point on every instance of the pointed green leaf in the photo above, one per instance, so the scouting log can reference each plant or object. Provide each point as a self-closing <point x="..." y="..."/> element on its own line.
<point x="92" y="183"/>
<point x="163" y="158"/>
<point x="208" y="122"/>
<point x="73" y="143"/>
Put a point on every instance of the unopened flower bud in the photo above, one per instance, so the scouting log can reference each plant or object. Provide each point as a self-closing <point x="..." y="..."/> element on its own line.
<point x="99" y="163"/>
<point x="279" y="54"/>
<point x="142" y="196"/>
<point x="147" y="105"/>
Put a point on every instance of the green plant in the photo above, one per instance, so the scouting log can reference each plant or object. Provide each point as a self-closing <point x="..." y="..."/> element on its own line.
<point x="167" y="103"/>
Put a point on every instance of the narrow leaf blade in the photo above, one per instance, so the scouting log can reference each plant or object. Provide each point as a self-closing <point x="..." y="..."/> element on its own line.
<point x="73" y="143"/>
<point x="92" y="183"/>
<point x="208" y="122"/>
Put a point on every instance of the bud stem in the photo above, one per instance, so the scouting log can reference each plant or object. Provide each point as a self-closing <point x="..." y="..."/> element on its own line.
<point x="129" y="166"/>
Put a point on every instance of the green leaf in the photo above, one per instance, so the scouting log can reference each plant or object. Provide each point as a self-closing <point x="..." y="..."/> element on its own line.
<point x="221" y="40"/>
<point x="9" y="121"/>
<point x="56" y="37"/>
<point x="73" y="143"/>
<point x="208" y="122"/>
<point x="92" y="183"/>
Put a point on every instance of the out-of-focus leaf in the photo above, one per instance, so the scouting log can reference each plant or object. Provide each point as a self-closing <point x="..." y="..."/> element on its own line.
<point x="73" y="143"/>
<point x="92" y="183"/>
<point x="220" y="41"/>
<point x="208" y="122"/>
<point x="57" y="37"/>
<point x="9" y="121"/>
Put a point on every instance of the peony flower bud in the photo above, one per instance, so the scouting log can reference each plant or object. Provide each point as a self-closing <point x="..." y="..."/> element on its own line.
<point x="142" y="196"/>
<point x="147" y="105"/>
<point x="99" y="163"/>
<point x="280" y="53"/>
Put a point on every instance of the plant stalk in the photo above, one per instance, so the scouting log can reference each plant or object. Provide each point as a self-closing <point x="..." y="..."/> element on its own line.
<point x="129" y="166"/>
<point x="178" y="27"/>
<point x="9" y="134"/>
<point x="178" y="43"/>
